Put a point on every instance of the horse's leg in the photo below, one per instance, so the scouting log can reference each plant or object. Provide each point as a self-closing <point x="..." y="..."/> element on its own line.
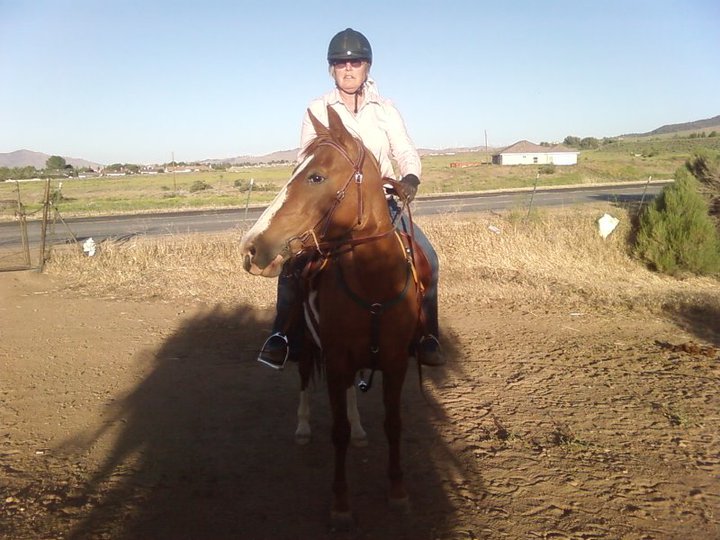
<point x="392" y="390"/>
<point x="302" y="433"/>
<point x="358" y="437"/>
<point x="337" y="387"/>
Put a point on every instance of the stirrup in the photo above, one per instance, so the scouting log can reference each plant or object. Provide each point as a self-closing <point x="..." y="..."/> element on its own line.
<point x="265" y="356"/>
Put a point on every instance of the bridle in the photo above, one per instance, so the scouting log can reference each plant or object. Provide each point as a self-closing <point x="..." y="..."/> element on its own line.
<point x="315" y="238"/>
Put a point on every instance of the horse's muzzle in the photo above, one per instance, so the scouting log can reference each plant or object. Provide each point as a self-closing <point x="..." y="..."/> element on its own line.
<point x="247" y="262"/>
<point x="271" y="270"/>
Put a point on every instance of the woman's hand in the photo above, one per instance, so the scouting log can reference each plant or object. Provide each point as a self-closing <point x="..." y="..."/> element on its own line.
<point x="410" y="184"/>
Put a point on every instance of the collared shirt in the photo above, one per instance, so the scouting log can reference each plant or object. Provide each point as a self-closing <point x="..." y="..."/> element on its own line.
<point x="377" y="123"/>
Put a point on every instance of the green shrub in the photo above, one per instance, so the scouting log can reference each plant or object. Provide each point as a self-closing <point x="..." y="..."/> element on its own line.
<point x="547" y="169"/>
<point x="242" y="185"/>
<point x="705" y="166"/>
<point x="676" y="233"/>
<point x="198" y="185"/>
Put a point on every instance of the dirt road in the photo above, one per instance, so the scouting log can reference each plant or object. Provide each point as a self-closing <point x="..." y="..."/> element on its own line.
<point x="151" y="420"/>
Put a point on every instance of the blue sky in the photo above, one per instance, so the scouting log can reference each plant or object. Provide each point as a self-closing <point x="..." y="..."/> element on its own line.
<point x="136" y="81"/>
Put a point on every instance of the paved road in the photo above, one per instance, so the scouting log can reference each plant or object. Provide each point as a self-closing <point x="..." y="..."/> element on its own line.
<point x="100" y="228"/>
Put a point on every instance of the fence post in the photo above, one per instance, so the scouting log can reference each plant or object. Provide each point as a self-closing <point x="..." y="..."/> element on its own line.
<point x="247" y="201"/>
<point x="43" y="226"/>
<point x="642" y="199"/>
<point x="532" y="195"/>
<point x="23" y="227"/>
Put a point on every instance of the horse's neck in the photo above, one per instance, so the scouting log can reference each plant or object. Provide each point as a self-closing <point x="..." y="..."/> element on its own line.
<point x="376" y="219"/>
<point x="381" y="258"/>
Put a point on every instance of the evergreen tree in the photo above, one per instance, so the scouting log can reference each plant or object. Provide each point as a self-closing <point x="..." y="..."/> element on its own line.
<point x="676" y="232"/>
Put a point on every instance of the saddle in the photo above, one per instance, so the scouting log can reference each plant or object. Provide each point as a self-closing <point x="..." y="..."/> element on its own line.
<point x="421" y="265"/>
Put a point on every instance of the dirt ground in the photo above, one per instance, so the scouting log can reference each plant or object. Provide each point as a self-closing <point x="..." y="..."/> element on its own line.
<point x="151" y="420"/>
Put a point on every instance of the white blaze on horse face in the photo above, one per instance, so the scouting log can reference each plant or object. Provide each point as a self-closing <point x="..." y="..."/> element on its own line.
<point x="265" y="220"/>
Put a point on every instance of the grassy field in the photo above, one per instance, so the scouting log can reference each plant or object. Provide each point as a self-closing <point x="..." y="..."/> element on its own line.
<point x="622" y="161"/>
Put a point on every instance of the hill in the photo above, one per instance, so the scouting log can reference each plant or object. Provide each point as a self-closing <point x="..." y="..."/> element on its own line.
<point x="279" y="156"/>
<point x="707" y="124"/>
<point x="291" y="155"/>
<point x="25" y="158"/>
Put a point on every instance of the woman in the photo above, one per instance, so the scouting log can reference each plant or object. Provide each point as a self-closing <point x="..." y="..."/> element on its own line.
<point x="379" y="125"/>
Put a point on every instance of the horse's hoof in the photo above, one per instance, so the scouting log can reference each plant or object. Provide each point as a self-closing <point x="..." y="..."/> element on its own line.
<point x="400" y="505"/>
<point x="341" y="521"/>
<point x="302" y="439"/>
<point x="359" y="442"/>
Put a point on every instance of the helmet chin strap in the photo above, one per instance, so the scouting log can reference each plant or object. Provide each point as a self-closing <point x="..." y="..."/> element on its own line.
<point x="356" y="93"/>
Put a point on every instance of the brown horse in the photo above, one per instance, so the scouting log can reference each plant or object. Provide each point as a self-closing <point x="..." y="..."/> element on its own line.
<point x="363" y="300"/>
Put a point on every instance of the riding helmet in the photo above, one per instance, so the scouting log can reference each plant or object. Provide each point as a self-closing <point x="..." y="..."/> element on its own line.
<point x="349" y="45"/>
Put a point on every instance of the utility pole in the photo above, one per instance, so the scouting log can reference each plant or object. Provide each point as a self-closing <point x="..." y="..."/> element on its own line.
<point x="487" y="154"/>
<point x="173" y="166"/>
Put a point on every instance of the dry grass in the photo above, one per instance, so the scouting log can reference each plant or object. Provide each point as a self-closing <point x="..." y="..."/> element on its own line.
<point x="554" y="259"/>
<point x="181" y="268"/>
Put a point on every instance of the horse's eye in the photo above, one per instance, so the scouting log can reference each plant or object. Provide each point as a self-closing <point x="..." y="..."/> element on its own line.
<point x="316" y="179"/>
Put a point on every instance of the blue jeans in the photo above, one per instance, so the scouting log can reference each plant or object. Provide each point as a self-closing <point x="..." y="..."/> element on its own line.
<point x="288" y="289"/>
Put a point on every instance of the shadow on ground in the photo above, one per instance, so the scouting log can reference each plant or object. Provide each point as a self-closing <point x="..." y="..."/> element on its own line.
<point x="203" y="448"/>
<point x="701" y="318"/>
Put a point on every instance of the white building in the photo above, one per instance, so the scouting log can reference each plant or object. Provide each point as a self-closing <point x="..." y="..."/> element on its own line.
<point x="527" y="153"/>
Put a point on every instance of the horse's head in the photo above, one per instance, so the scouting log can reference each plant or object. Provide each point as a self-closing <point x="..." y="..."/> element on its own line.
<point x="324" y="200"/>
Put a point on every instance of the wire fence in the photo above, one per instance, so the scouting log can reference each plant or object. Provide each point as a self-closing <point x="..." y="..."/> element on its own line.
<point x="18" y="249"/>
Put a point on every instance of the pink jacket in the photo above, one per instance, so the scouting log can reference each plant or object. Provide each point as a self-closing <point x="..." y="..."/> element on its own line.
<point x="378" y="124"/>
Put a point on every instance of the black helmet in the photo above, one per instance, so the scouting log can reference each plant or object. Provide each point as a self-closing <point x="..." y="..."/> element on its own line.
<point x="349" y="45"/>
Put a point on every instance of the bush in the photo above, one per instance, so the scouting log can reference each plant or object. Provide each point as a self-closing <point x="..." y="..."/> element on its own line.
<point x="705" y="166"/>
<point x="589" y="143"/>
<point x="242" y="185"/>
<point x="547" y="169"/>
<point x="199" y="185"/>
<point x="676" y="234"/>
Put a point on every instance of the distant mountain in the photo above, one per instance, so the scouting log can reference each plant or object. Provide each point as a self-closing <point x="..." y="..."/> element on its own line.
<point x="456" y="150"/>
<point x="25" y="158"/>
<point x="696" y="126"/>
<point x="291" y="156"/>
<point x="281" y="155"/>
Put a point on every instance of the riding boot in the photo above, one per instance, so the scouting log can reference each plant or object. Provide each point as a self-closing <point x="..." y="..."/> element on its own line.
<point x="429" y="351"/>
<point x="276" y="349"/>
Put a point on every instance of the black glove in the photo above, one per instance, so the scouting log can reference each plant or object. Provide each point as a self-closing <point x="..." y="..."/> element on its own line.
<point x="410" y="184"/>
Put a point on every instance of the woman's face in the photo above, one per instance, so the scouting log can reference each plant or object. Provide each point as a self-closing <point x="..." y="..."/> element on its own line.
<point x="350" y="76"/>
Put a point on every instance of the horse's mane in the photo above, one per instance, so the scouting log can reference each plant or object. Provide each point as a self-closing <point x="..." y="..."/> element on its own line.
<point x="313" y="145"/>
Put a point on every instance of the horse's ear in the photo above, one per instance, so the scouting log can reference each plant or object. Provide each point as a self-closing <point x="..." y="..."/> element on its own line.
<point x="338" y="130"/>
<point x="320" y="128"/>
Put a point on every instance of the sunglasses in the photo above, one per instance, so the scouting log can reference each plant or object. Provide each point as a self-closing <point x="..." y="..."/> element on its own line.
<point x="353" y="63"/>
